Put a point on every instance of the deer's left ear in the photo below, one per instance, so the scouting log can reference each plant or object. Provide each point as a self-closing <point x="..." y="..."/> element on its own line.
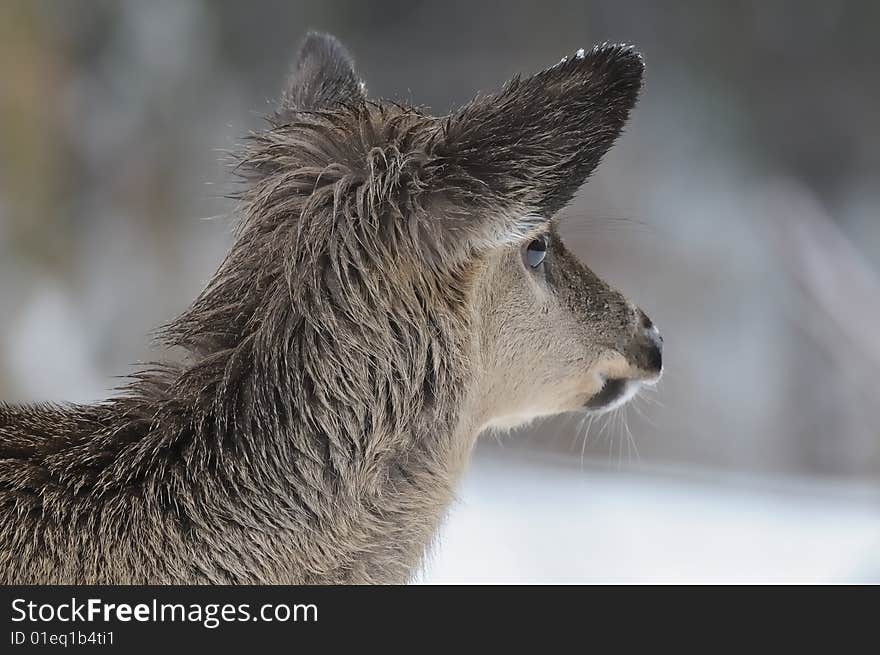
<point x="323" y="77"/>
<point x="526" y="149"/>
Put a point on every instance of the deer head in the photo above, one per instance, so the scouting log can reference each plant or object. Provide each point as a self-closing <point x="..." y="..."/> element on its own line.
<point x="415" y="245"/>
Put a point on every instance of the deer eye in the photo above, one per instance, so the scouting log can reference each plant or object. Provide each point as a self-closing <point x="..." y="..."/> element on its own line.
<point x="535" y="252"/>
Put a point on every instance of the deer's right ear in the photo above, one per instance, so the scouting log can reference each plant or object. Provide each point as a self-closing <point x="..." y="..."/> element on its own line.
<point x="521" y="153"/>
<point x="323" y="77"/>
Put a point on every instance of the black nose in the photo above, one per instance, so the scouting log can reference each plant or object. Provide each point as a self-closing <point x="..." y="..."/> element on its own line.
<point x="646" y="350"/>
<point x="654" y="354"/>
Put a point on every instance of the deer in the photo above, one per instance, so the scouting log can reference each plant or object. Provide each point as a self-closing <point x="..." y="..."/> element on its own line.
<point x="396" y="286"/>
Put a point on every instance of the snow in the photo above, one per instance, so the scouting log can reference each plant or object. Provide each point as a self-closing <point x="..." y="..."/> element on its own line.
<point x="517" y="522"/>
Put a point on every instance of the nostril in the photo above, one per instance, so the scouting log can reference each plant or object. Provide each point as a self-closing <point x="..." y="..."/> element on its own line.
<point x="655" y="337"/>
<point x="654" y="357"/>
<point x="646" y="352"/>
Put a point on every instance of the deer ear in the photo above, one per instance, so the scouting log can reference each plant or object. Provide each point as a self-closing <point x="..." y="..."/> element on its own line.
<point x="323" y="77"/>
<point x="533" y="144"/>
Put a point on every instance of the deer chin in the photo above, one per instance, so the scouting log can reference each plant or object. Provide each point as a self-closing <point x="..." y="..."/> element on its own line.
<point x="614" y="393"/>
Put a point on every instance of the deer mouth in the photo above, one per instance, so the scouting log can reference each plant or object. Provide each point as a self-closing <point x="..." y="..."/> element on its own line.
<point x="614" y="393"/>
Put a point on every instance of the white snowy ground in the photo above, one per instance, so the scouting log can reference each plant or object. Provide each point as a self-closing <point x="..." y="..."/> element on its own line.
<point x="521" y="521"/>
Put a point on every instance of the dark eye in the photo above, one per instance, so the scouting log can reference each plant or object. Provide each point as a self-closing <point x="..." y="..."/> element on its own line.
<point x="536" y="251"/>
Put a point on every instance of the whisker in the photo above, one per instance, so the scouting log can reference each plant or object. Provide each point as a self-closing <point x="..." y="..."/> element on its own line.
<point x="588" y="418"/>
<point x="632" y="438"/>
<point x="593" y="223"/>
<point x="651" y="396"/>
<point x="604" y="435"/>
<point x="645" y="416"/>
<point x="575" y="434"/>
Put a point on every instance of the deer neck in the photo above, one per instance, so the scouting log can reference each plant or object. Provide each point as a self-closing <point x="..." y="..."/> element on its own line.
<point x="347" y="439"/>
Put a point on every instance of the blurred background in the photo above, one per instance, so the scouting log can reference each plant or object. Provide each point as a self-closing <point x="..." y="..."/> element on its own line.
<point x="741" y="210"/>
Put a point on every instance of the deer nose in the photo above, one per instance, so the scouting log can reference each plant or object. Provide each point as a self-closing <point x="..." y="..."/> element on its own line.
<point x="645" y="351"/>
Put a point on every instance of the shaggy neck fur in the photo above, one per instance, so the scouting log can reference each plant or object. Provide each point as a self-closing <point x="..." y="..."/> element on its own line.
<point x="317" y="426"/>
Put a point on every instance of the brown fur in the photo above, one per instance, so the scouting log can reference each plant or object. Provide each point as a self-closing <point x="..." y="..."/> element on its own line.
<point x="373" y="316"/>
